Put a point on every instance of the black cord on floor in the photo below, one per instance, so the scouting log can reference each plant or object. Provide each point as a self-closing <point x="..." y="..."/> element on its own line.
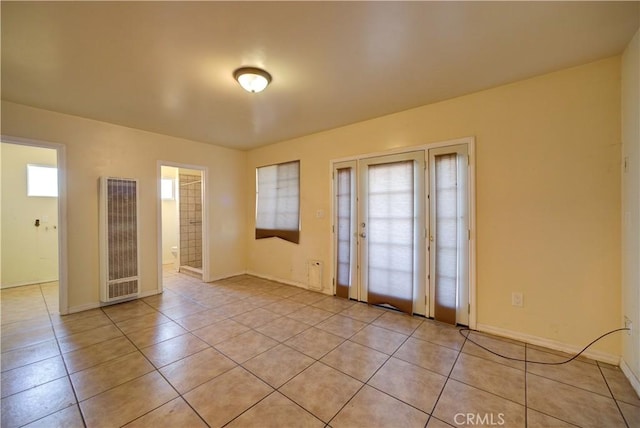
<point x="466" y="336"/>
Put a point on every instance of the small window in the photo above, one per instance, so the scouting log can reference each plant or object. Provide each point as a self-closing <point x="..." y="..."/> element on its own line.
<point x="42" y="181"/>
<point x="278" y="201"/>
<point x="167" y="189"/>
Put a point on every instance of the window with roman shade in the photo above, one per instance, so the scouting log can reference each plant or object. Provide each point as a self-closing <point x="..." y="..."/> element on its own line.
<point x="278" y="201"/>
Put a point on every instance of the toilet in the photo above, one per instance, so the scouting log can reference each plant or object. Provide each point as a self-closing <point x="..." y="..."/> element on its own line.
<point x="176" y="262"/>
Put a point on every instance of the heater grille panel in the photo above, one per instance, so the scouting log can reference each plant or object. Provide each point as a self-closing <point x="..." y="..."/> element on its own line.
<point x="119" y="267"/>
<point x="122" y="229"/>
<point x="123" y="289"/>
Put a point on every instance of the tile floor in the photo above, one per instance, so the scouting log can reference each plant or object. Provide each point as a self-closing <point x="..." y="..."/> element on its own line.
<point x="247" y="352"/>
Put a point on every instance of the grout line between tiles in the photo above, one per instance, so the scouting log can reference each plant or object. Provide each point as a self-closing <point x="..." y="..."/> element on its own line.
<point x="527" y="347"/>
<point x="569" y="384"/>
<point x="612" y="396"/>
<point x="317" y="361"/>
<point x="497" y="361"/>
<point x="73" y="389"/>
<point x="399" y="399"/>
<point x="163" y="377"/>
<point x="526" y="397"/>
<point x="446" y="380"/>
<point x="275" y="390"/>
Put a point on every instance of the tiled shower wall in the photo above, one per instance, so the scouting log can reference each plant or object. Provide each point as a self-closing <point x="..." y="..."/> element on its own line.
<point x="190" y="220"/>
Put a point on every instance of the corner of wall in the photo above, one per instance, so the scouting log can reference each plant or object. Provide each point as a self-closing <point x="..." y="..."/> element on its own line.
<point x="630" y="375"/>
<point x="630" y="182"/>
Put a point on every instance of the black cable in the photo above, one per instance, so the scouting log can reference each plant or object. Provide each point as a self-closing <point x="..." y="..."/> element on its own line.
<point x="536" y="362"/>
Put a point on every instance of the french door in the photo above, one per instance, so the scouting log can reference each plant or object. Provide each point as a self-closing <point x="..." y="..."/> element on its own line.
<point x="380" y="230"/>
<point x="449" y="234"/>
<point x="401" y="235"/>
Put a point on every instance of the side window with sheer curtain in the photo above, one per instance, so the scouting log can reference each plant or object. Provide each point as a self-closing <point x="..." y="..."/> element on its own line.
<point x="278" y="201"/>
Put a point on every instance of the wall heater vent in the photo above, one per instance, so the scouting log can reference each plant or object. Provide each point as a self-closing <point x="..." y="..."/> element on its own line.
<point x="119" y="240"/>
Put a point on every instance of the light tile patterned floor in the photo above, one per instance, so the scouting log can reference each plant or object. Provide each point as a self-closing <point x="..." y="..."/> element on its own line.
<point x="246" y="352"/>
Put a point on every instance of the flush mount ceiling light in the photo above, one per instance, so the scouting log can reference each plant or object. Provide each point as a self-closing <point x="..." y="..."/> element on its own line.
<point x="252" y="79"/>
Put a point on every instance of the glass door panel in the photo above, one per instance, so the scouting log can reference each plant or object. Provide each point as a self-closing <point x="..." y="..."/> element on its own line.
<point x="391" y="231"/>
<point x="345" y="229"/>
<point x="449" y="235"/>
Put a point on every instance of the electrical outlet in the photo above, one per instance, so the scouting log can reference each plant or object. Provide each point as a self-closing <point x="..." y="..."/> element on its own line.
<point x="628" y="324"/>
<point x="517" y="299"/>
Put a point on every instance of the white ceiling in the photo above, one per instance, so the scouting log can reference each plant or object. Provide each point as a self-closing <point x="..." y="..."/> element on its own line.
<point x="167" y="67"/>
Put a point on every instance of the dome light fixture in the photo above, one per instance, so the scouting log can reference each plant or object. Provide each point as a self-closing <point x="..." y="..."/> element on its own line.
<point x="252" y="79"/>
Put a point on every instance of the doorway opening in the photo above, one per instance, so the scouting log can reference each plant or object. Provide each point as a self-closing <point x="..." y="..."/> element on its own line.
<point x="33" y="219"/>
<point x="183" y="246"/>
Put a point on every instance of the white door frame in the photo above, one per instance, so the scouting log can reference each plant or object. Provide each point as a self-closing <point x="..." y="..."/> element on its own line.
<point x="470" y="142"/>
<point x="205" y="217"/>
<point x="61" y="157"/>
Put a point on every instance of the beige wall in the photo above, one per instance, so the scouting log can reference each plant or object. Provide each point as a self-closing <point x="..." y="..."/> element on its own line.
<point x="548" y="197"/>
<point x="170" y="223"/>
<point x="94" y="149"/>
<point x="29" y="253"/>
<point x="631" y="202"/>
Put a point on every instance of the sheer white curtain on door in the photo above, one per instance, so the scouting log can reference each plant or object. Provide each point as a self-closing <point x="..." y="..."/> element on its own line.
<point x="344" y="233"/>
<point x="447" y="230"/>
<point x="390" y="234"/>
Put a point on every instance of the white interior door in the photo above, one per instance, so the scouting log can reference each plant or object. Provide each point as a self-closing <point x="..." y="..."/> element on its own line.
<point x="449" y="234"/>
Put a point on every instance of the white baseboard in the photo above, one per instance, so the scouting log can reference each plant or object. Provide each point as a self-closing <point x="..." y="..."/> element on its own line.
<point x="95" y="305"/>
<point x="225" y="276"/>
<point x="605" y="357"/>
<point x="276" y="279"/>
<point x="85" y="307"/>
<point x="22" y="284"/>
<point x="283" y="281"/>
<point x="633" y="380"/>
